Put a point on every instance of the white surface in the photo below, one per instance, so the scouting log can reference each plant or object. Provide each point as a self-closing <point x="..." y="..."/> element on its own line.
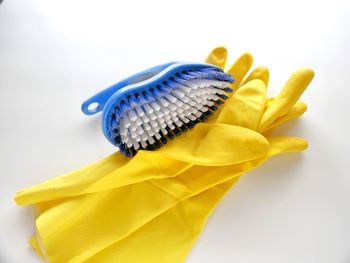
<point x="55" y="54"/>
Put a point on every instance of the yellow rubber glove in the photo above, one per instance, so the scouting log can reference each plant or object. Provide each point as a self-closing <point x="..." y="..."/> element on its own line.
<point x="169" y="237"/>
<point x="88" y="203"/>
<point x="51" y="198"/>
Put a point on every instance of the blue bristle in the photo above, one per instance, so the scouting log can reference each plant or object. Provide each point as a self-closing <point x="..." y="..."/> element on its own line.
<point x="177" y="131"/>
<point x="123" y="148"/>
<point x="184" y="76"/>
<point x="117" y="139"/>
<point x="184" y="128"/>
<point x="141" y="99"/>
<point x="157" y="144"/>
<point x="150" y="147"/>
<point x="224" y="97"/>
<point x="148" y="96"/>
<point x="213" y="108"/>
<point x="114" y="124"/>
<point x="180" y="81"/>
<point x="165" y="91"/>
<point x="156" y="93"/>
<point x="194" y="73"/>
<point x="208" y="113"/>
<point x="170" y="85"/>
<point x="124" y="107"/>
<point x="190" y="124"/>
<point x="203" y="117"/>
<point x="228" y="90"/>
<point x="163" y="138"/>
<point x="213" y="74"/>
<point x="170" y="135"/>
<point x="133" y="102"/>
<point x="132" y="151"/>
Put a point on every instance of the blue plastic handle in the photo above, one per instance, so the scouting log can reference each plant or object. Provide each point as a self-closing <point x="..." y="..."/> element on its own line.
<point x="97" y="102"/>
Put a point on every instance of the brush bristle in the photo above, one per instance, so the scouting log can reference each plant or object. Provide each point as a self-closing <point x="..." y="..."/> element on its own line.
<point x="147" y="119"/>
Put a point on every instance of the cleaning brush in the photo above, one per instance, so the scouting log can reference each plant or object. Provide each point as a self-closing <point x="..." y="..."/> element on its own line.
<point x="157" y="104"/>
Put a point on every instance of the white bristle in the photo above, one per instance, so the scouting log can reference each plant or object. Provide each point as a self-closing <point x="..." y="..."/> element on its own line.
<point x="159" y="114"/>
<point x="140" y="111"/>
<point x="178" y="123"/>
<point x="153" y="123"/>
<point x="155" y="106"/>
<point x="148" y="108"/>
<point x="185" y="99"/>
<point x="191" y="85"/>
<point x="147" y="127"/>
<point x="216" y="90"/>
<point x="157" y="135"/>
<point x="170" y="98"/>
<point x="191" y="117"/>
<point x="204" y="109"/>
<point x="165" y="110"/>
<point x="143" y="144"/>
<point x="162" y="125"/>
<point x="151" y="133"/>
<point x="126" y="122"/>
<point x="214" y="97"/>
<point x="139" y="130"/>
<point x="172" y="107"/>
<point x="123" y="137"/>
<point x="152" y="116"/>
<point x="173" y="114"/>
<point x="161" y="119"/>
<point x="133" y="127"/>
<point x="132" y="115"/>
<point x="178" y="93"/>
<point x="179" y="103"/>
<point x="184" y="89"/>
<point x="209" y="103"/>
<point x="163" y="102"/>
<point x="197" y="114"/>
<point x="184" y="118"/>
<point x="135" y="144"/>
<point x="171" y="126"/>
<point x="144" y="136"/>
<point x="179" y="110"/>
<point x="151" y="140"/>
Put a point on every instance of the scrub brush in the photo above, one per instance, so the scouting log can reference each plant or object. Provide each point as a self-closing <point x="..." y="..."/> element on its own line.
<point x="147" y="109"/>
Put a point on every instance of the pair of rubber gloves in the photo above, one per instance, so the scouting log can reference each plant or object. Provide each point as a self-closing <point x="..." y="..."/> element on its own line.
<point x="151" y="208"/>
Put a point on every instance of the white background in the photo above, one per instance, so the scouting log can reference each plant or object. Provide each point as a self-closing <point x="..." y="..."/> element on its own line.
<point x="55" y="54"/>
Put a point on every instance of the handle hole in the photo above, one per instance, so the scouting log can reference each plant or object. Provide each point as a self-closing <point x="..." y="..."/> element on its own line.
<point x="93" y="107"/>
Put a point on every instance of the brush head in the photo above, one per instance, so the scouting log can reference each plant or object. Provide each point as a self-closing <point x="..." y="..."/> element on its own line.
<point x="157" y="107"/>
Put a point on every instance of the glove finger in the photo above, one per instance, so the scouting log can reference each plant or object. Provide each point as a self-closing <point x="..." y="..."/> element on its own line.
<point x="240" y="68"/>
<point x="284" y="144"/>
<point x="246" y="105"/>
<point x="261" y="73"/>
<point x="298" y="110"/>
<point x="287" y="98"/>
<point x="217" y="57"/>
